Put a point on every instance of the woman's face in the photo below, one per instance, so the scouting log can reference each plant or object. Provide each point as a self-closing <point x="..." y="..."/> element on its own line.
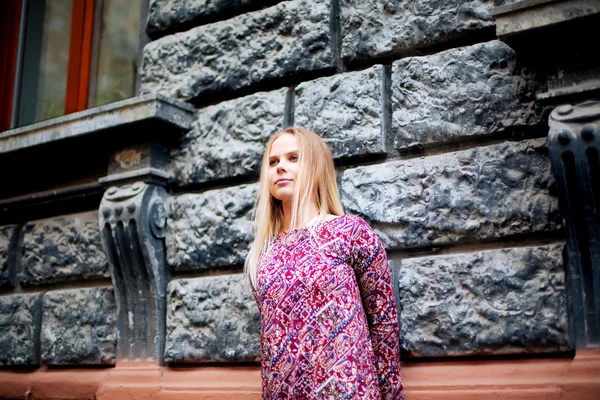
<point x="283" y="167"/>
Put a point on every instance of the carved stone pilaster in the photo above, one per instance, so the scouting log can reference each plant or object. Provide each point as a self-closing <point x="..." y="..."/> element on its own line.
<point x="132" y="221"/>
<point x="574" y="142"/>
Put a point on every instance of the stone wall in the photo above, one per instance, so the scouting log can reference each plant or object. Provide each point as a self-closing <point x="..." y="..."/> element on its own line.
<point x="440" y="146"/>
<point x="43" y="319"/>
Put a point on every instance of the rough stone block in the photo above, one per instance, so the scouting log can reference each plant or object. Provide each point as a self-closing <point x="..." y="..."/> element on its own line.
<point x="167" y="16"/>
<point x="459" y="93"/>
<point x="6" y="233"/>
<point x="372" y="29"/>
<point x="20" y="317"/>
<point x="287" y="39"/>
<point x="212" y="319"/>
<point x="228" y="139"/>
<point x="346" y="109"/>
<point x="495" y="301"/>
<point x="483" y="193"/>
<point x="66" y="248"/>
<point x="79" y="327"/>
<point x="210" y="230"/>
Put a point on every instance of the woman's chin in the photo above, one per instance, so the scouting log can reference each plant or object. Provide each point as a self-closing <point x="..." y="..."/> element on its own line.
<point x="283" y="195"/>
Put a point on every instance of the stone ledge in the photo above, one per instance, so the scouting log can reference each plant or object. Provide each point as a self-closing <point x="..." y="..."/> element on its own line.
<point x="523" y="16"/>
<point x="572" y="93"/>
<point x="174" y="114"/>
<point x="39" y="205"/>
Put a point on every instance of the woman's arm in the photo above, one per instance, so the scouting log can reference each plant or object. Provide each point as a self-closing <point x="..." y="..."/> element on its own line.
<point x="369" y="261"/>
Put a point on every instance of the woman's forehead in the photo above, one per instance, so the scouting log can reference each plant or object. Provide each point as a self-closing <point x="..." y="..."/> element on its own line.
<point x="284" y="144"/>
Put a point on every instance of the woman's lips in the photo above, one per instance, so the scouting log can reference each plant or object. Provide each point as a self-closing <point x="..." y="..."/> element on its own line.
<point x="280" y="181"/>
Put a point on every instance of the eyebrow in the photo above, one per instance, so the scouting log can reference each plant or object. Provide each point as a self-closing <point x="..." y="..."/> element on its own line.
<point x="286" y="154"/>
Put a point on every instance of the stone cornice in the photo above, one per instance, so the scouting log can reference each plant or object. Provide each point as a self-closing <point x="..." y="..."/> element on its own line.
<point x="174" y="114"/>
<point x="523" y="16"/>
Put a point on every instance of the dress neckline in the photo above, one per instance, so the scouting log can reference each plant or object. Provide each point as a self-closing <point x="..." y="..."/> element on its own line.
<point x="313" y="224"/>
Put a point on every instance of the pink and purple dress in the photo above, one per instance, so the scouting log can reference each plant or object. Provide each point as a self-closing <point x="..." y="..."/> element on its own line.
<point x="329" y="325"/>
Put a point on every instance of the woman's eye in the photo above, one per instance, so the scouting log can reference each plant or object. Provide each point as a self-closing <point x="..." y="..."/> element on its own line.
<point x="294" y="158"/>
<point x="272" y="162"/>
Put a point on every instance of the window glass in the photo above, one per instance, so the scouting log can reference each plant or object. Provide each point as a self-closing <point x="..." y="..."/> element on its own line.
<point x="116" y="68"/>
<point x="45" y="60"/>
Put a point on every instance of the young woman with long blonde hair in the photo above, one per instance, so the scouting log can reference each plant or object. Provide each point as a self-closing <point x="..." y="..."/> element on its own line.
<point x="329" y="325"/>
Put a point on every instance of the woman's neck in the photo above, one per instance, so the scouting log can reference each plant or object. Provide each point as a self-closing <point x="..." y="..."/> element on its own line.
<point x="313" y="211"/>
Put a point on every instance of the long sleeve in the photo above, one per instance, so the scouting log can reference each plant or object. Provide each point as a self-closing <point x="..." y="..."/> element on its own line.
<point x="370" y="264"/>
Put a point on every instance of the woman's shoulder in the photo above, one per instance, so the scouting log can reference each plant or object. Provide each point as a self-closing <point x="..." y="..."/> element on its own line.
<point x="349" y="223"/>
<point x="355" y="220"/>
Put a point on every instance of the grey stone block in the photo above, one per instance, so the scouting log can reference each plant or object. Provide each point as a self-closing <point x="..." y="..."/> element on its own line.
<point x="483" y="193"/>
<point x="228" y="139"/>
<point x="460" y="93"/>
<point x="290" y="38"/>
<point x="347" y="110"/>
<point x="488" y="302"/>
<point x="210" y="230"/>
<point x="20" y="317"/>
<point x="66" y="248"/>
<point x="78" y="327"/>
<point x="372" y="29"/>
<point x="167" y="16"/>
<point x="212" y="319"/>
<point x="6" y="233"/>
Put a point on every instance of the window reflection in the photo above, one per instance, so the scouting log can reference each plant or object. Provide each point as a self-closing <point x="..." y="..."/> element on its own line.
<point x="118" y="40"/>
<point x="45" y="60"/>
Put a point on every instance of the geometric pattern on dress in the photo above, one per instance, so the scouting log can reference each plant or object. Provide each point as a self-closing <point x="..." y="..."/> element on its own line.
<point x="329" y="324"/>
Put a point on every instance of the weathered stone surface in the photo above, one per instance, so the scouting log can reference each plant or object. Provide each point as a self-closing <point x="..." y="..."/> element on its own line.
<point x="289" y="38"/>
<point x="78" y="327"/>
<point x="495" y="301"/>
<point x="459" y="93"/>
<point x="210" y="230"/>
<point x="346" y="109"/>
<point x="166" y="16"/>
<point x="372" y="29"/>
<point x="483" y="193"/>
<point x="228" y="139"/>
<point x="6" y="233"/>
<point x="20" y="329"/>
<point x="212" y="319"/>
<point x="66" y="248"/>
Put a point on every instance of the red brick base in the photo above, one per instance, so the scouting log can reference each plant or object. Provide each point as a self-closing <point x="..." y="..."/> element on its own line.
<point x="549" y="378"/>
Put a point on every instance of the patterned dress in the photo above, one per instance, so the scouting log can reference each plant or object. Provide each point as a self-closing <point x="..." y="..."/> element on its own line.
<point x="329" y="325"/>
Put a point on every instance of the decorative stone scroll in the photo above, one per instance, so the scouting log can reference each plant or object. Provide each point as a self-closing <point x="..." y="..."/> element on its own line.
<point x="132" y="221"/>
<point x="574" y="143"/>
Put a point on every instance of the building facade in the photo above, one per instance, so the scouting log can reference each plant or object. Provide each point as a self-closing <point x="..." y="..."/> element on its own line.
<point x="463" y="131"/>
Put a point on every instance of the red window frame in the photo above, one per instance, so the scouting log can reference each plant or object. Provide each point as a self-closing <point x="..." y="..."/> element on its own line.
<point x="80" y="56"/>
<point x="10" y="16"/>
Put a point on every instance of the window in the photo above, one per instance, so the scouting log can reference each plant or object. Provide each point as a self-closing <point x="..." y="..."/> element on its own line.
<point x="66" y="56"/>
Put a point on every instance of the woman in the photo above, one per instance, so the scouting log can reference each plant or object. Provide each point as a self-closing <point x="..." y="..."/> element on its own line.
<point x="329" y="326"/>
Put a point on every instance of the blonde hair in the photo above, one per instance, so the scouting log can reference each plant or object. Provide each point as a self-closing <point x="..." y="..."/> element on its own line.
<point x="315" y="182"/>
